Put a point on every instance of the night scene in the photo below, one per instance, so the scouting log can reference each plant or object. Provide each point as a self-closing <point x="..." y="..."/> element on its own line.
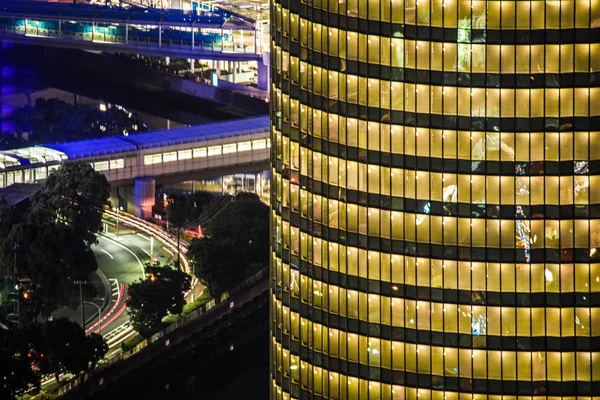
<point x="300" y="199"/>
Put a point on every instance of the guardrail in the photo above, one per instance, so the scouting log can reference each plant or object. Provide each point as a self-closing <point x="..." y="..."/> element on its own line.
<point x="211" y="306"/>
<point x="132" y="40"/>
<point x="170" y="241"/>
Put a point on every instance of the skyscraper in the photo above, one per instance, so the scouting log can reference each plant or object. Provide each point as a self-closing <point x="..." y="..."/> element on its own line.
<point x="435" y="199"/>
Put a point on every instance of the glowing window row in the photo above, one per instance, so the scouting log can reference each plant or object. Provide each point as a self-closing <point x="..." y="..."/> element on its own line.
<point x="438" y="143"/>
<point x="468" y="14"/>
<point x="442" y="187"/>
<point x="450" y="56"/>
<point x="341" y="387"/>
<point x="444" y="361"/>
<point x="109" y="164"/>
<point x="470" y="232"/>
<point x="209" y="151"/>
<point x="28" y="175"/>
<point x="449" y="100"/>
<point x="447" y="274"/>
<point x="448" y="317"/>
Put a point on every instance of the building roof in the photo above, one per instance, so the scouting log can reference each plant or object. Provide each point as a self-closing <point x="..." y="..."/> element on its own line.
<point x="17" y="192"/>
<point x="29" y="155"/>
<point x="199" y="133"/>
<point x="164" y="138"/>
<point x="94" y="147"/>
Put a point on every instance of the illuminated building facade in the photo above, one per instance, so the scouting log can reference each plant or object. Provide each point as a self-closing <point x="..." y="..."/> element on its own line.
<point x="435" y="199"/>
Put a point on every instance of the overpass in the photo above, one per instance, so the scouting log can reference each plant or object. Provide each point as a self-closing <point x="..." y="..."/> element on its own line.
<point x="199" y="34"/>
<point x="167" y="156"/>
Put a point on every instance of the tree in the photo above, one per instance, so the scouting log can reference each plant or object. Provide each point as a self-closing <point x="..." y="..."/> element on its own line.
<point x="161" y="293"/>
<point x="76" y="194"/>
<point x="217" y="263"/>
<point x="50" y="257"/>
<point x="18" y="372"/>
<point x="236" y="246"/>
<point x="53" y="237"/>
<point x="9" y="216"/>
<point x="177" y="215"/>
<point x="67" y="348"/>
<point x="197" y="203"/>
<point x="97" y="347"/>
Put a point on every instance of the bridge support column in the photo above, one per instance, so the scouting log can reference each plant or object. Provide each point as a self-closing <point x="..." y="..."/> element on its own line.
<point x="59" y="28"/>
<point x="234" y="71"/>
<point x="192" y="34"/>
<point x="167" y="60"/>
<point x="144" y="196"/>
<point x="126" y="33"/>
<point x="263" y="72"/>
<point x="192" y="62"/>
<point x="159" y="36"/>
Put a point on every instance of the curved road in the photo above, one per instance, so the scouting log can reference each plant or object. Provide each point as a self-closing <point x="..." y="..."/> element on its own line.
<point x="120" y="262"/>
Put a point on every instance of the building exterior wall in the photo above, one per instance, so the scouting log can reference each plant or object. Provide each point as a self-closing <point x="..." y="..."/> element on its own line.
<point x="435" y="199"/>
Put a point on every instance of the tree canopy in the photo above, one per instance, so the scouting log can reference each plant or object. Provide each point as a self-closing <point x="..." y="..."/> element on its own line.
<point x="182" y="209"/>
<point x="177" y="209"/>
<point x="161" y="293"/>
<point x="53" y="120"/>
<point x="67" y="348"/>
<point x="52" y="238"/>
<point x="236" y="246"/>
<point x="76" y="194"/>
<point x="18" y="366"/>
<point x="58" y="346"/>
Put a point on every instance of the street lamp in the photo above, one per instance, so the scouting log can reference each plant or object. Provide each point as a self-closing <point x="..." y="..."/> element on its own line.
<point x="99" y="315"/>
<point x="81" y="283"/>
<point x="117" y="210"/>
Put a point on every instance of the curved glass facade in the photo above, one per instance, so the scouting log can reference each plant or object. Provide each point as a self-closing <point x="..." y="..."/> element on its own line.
<point x="435" y="199"/>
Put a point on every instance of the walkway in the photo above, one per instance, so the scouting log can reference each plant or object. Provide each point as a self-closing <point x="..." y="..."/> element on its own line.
<point x="207" y="150"/>
<point x="200" y="34"/>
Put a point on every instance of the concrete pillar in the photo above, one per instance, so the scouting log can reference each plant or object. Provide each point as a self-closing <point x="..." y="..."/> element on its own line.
<point x="167" y="60"/>
<point x="263" y="72"/>
<point x="193" y="35"/>
<point x="235" y="64"/>
<point x="159" y="36"/>
<point x="192" y="62"/>
<point x="144" y="196"/>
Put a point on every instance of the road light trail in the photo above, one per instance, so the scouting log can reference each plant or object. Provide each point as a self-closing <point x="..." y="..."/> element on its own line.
<point x="170" y="243"/>
<point x="107" y="253"/>
<point x="112" y="310"/>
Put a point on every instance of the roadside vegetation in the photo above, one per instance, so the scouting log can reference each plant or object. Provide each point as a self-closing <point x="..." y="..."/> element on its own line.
<point x="45" y="247"/>
<point x="235" y="246"/>
<point x="54" y="120"/>
<point x="160" y="294"/>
